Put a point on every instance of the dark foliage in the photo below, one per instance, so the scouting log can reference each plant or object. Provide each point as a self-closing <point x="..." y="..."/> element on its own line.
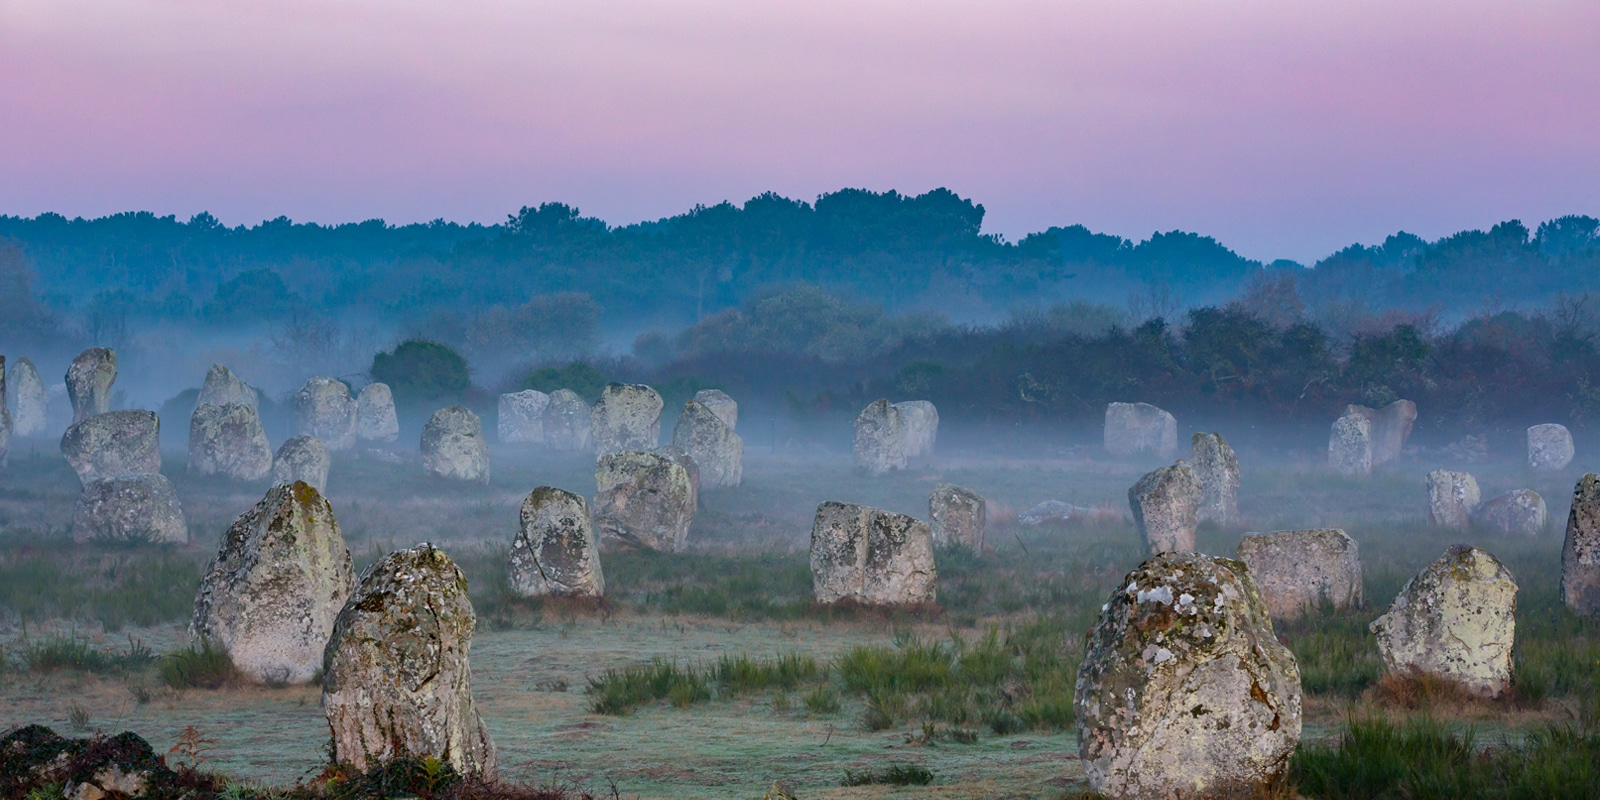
<point x="422" y="372"/>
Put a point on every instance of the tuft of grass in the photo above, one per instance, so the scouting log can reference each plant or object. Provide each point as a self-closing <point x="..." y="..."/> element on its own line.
<point x="736" y="674"/>
<point x="619" y="691"/>
<point x="135" y="587"/>
<point x="55" y="653"/>
<point x="204" y="668"/>
<point x="822" y="700"/>
<point x="898" y="774"/>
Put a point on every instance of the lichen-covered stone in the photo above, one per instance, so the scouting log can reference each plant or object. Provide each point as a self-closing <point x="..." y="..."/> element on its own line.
<point x="1135" y="429"/>
<point x="1452" y="497"/>
<point x="323" y="408"/>
<point x="305" y="459"/>
<point x="453" y="445"/>
<point x="1165" y="503"/>
<point x="720" y="404"/>
<point x="555" y="552"/>
<point x="870" y="556"/>
<point x="30" y="403"/>
<point x="223" y="387"/>
<point x="880" y="438"/>
<point x="1217" y="469"/>
<point x="136" y="507"/>
<point x="922" y="426"/>
<point x="376" y="420"/>
<point x="1456" y="619"/>
<point x="1520" y="512"/>
<point x="1549" y="447"/>
<point x="1391" y="427"/>
<point x="566" y="422"/>
<point x="396" y="677"/>
<point x="1184" y="690"/>
<point x="114" y="443"/>
<point x="1350" y="446"/>
<point x="1297" y="571"/>
<point x="521" y="417"/>
<point x="229" y="440"/>
<point x="1580" y="553"/>
<point x="957" y="517"/>
<point x="271" y="595"/>
<point x="643" y="500"/>
<point x="717" y="451"/>
<point x="628" y="417"/>
<point x="89" y="380"/>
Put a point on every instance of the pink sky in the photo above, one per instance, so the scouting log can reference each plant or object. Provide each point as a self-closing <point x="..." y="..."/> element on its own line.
<point x="1285" y="128"/>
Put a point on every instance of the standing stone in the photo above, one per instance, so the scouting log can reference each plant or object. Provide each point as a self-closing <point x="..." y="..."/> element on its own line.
<point x="453" y="445"/>
<point x="323" y="409"/>
<point x="720" y="404"/>
<point x="396" y="678"/>
<point x="1580" y="553"/>
<point x="922" y="426"/>
<point x="1350" y="446"/>
<point x="223" y="387"/>
<point x="31" y="403"/>
<point x="304" y="459"/>
<point x="522" y="417"/>
<point x="271" y="595"/>
<point x="375" y="417"/>
<point x="114" y="443"/>
<point x="5" y="417"/>
<point x="880" y="438"/>
<point x="1134" y="429"/>
<point x="643" y="500"/>
<point x="555" y="552"/>
<point x="957" y="517"/>
<point x="1549" y="447"/>
<point x="1456" y="619"/>
<point x="628" y="417"/>
<point x="1164" y="504"/>
<point x="89" y="380"/>
<point x="228" y="440"/>
<point x="567" y="422"/>
<point x="1184" y="690"/>
<point x="1297" y="571"/>
<point x="1452" y="497"/>
<point x="870" y="556"/>
<point x="134" y="507"/>
<point x="1520" y="513"/>
<point x="717" y="451"/>
<point x="1391" y="427"/>
<point x="1217" y="469"/>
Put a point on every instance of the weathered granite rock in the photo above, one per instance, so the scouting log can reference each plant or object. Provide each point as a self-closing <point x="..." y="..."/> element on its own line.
<point x="643" y="500"/>
<point x="555" y="552"/>
<point x="1456" y="619"/>
<point x="1350" y="446"/>
<point x="134" y="507"/>
<point x="1184" y="690"/>
<point x="5" y="417"/>
<point x="376" y="420"/>
<point x="228" y="440"/>
<point x="305" y="459"/>
<point x="717" y="451"/>
<point x="566" y="422"/>
<point x="323" y="408"/>
<point x="1520" y="512"/>
<point x="1580" y="553"/>
<point x="521" y="417"/>
<point x="922" y="426"/>
<point x="30" y="403"/>
<point x="1549" y="447"/>
<point x="223" y="387"/>
<point x="1391" y="427"/>
<point x="1134" y="429"/>
<point x="114" y="443"/>
<point x="1452" y="497"/>
<point x="720" y="404"/>
<point x="271" y="595"/>
<point x="1164" y="504"/>
<point x="453" y="445"/>
<point x="880" y="438"/>
<point x="870" y="556"/>
<point x="396" y="677"/>
<point x="1297" y="571"/>
<point x="628" y="417"/>
<point x="681" y="457"/>
<point x="1217" y="469"/>
<point x="89" y="380"/>
<point x="957" y="516"/>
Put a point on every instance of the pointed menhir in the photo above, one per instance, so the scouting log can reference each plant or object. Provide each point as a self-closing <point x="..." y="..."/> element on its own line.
<point x="1217" y="468"/>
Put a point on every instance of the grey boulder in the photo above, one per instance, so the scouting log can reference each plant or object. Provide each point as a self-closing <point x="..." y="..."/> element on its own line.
<point x="1452" y="497"/>
<point x="720" y="404"/>
<point x="1520" y="512"/>
<point x="222" y="387"/>
<point x="957" y="517"/>
<point x="1456" y="619"/>
<point x="870" y="556"/>
<point x="644" y="500"/>
<point x="1165" y="503"/>
<point x="453" y="445"/>
<point x="717" y="451"/>
<point x="1217" y="468"/>
<point x="323" y="408"/>
<point x="521" y="417"/>
<point x="138" y="507"/>
<point x="228" y="440"/>
<point x="114" y="443"/>
<point x="555" y="552"/>
<point x="880" y="438"/>
<point x="1298" y="571"/>
<point x="628" y="417"/>
<point x="1549" y="447"/>
<point x="89" y="380"/>
<point x="1580" y="552"/>
<point x="376" y="420"/>
<point x="567" y="422"/>
<point x="1136" y="429"/>
<point x="302" y="458"/>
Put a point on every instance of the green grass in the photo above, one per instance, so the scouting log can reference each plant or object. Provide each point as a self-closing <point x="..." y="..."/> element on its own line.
<point x="205" y="667"/>
<point x="116" y="587"/>
<point x="899" y="774"/>
<point x="57" y="653"/>
<point x="619" y="691"/>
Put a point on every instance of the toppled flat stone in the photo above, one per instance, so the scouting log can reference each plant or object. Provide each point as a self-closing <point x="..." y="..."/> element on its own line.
<point x="555" y="551"/>
<point x="1053" y="511"/>
<point x="114" y="443"/>
<point x="1298" y="571"/>
<point x="1456" y="619"/>
<point x="137" y="507"/>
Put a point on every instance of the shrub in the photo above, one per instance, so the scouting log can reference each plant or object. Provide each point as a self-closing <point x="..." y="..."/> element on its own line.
<point x="579" y="376"/>
<point x="422" y="372"/>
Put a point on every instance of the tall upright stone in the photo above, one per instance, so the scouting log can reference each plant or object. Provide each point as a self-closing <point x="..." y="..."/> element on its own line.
<point x="922" y="426"/>
<point x="1452" y="497"/>
<point x="1391" y="428"/>
<point x="880" y="438"/>
<point x="228" y="440"/>
<point x="323" y="408"/>
<point x="1165" y="503"/>
<point x="129" y="508"/>
<point x="521" y="417"/>
<point x="1184" y="689"/>
<point x="1217" y="469"/>
<point x="1140" y="429"/>
<point x="720" y="404"/>
<point x="1298" y="571"/>
<point x="453" y="445"/>
<point x="1549" y="447"/>
<point x="222" y="387"/>
<point x="1580" y="553"/>
<point x="30" y="402"/>
<point x="270" y="597"/>
<point x="1456" y="619"/>
<point x="5" y="417"/>
<point x="555" y="552"/>
<point x="305" y="459"/>
<point x="89" y="380"/>
<point x="870" y="556"/>
<point x="567" y="423"/>
<point x="397" y="681"/>
<point x="717" y="451"/>
<point x="643" y="500"/>
<point x="114" y="443"/>
<point x="957" y="517"/>
<point x="1520" y="512"/>
<point x="1350" y="446"/>
<point x="376" y="420"/>
<point x="628" y="417"/>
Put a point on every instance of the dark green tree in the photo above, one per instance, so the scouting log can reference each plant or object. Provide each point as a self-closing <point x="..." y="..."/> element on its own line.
<point x="421" y="372"/>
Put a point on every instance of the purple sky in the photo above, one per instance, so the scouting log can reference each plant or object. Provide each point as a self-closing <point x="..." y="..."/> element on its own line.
<point x="1285" y="128"/>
